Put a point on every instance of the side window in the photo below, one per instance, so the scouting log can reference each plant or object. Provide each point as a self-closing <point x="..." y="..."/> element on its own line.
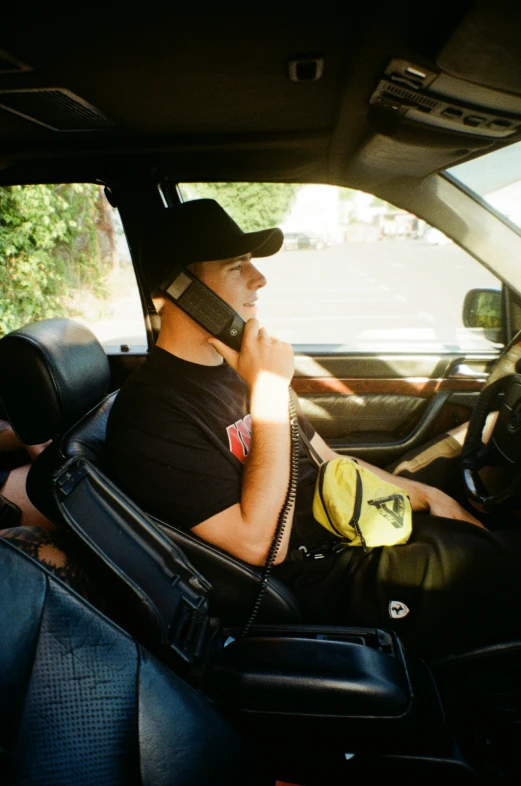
<point x="355" y="273"/>
<point x="63" y="253"/>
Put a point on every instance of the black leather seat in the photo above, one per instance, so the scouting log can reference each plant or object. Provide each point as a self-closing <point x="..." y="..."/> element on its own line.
<point x="54" y="386"/>
<point x="82" y="703"/>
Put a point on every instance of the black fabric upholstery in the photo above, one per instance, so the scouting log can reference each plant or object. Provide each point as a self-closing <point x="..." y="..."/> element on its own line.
<point x="81" y="703"/>
<point x="53" y="372"/>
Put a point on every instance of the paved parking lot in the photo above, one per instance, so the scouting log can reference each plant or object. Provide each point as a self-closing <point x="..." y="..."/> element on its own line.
<point x="381" y="294"/>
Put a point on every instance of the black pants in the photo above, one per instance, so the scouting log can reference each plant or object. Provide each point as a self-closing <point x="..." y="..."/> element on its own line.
<point x="452" y="587"/>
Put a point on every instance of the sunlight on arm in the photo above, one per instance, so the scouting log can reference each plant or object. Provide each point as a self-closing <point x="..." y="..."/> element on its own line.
<point x="269" y="402"/>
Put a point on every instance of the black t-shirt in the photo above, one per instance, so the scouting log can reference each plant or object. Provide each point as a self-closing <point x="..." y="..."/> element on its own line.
<point x="177" y="439"/>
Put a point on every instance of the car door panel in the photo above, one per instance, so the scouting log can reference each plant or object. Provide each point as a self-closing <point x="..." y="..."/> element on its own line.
<point x="380" y="406"/>
<point x="374" y="406"/>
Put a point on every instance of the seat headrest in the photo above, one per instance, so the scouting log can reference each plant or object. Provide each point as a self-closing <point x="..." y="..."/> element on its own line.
<point x="51" y="373"/>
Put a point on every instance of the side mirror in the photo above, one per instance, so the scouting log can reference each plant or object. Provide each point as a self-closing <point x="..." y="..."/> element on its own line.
<point x="482" y="308"/>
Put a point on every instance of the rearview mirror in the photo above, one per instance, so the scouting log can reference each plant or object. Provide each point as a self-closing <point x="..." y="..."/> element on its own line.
<point x="482" y="308"/>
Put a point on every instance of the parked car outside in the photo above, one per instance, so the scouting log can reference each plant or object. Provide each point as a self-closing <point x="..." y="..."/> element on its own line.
<point x="301" y="241"/>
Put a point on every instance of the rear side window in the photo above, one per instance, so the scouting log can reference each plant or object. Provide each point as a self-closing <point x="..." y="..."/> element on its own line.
<point x="63" y="253"/>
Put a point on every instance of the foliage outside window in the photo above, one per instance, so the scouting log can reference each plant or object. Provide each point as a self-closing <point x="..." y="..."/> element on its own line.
<point x="252" y="206"/>
<point x="55" y="251"/>
<point x="63" y="254"/>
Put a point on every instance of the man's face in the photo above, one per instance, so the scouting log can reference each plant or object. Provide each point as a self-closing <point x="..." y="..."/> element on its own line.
<point x="236" y="280"/>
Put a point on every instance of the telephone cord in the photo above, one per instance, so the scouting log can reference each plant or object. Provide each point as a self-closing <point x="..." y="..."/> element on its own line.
<point x="281" y="523"/>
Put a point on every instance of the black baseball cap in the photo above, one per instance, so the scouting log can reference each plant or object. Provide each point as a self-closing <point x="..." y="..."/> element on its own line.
<point x="198" y="231"/>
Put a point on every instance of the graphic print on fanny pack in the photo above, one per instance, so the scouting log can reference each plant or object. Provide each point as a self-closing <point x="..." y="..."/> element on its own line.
<point x="239" y="438"/>
<point x="394" y="514"/>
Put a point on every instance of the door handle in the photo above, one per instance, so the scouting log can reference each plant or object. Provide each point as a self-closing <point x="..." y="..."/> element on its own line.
<point x="463" y="371"/>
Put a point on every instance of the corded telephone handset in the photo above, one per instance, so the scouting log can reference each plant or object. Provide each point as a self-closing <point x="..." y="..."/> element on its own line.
<point x="222" y="321"/>
<point x="204" y="305"/>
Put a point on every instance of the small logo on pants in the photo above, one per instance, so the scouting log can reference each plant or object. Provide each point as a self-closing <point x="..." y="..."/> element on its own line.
<point x="397" y="609"/>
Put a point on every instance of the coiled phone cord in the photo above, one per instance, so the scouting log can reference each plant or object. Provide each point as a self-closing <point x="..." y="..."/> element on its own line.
<point x="281" y="523"/>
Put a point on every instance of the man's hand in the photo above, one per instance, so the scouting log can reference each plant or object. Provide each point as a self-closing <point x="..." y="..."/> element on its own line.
<point x="440" y="504"/>
<point x="260" y="355"/>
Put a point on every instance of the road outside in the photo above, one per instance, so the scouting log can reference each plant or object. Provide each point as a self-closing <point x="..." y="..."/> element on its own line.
<point x="403" y="294"/>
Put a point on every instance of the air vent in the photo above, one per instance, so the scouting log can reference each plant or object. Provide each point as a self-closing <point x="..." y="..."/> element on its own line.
<point x="54" y="108"/>
<point x="408" y="98"/>
<point x="432" y="99"/>
<point x="10" y="65"/>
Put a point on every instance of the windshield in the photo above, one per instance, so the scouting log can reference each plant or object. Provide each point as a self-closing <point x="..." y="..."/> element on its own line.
<point x="496" y="177"/>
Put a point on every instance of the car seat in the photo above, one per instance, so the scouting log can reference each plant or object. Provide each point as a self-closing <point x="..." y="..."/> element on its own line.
<point x="55" y="385"/>
<point x="83" y="703"/>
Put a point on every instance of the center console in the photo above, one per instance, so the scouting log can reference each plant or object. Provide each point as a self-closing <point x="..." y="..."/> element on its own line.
<point x="336" y="699"/>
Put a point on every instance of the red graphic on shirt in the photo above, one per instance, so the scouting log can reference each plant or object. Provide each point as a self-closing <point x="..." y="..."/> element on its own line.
<point x="239" y="438"/>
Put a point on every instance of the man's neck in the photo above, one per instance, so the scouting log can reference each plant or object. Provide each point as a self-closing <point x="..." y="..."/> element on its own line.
<point x="185" y="339"/>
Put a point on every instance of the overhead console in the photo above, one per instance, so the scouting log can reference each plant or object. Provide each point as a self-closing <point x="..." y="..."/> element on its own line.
<point x="441" y="97"/>
<point x="436" y="99"/>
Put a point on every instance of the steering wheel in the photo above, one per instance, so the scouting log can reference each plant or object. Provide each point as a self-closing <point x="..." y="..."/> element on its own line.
<point x="503" y="388"/>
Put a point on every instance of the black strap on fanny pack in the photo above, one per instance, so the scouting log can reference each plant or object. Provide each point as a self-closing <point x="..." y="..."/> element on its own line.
<point x="310" y="449"/>
<point x="327" y="550"/>
<point x="313" y="454"/>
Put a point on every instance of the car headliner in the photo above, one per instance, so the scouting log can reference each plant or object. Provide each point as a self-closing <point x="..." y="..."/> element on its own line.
<point x="205" y="96"/>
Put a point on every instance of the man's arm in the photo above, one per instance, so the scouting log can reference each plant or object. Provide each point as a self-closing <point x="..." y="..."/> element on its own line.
<point x="246" y="529"/>
<point x="424" y="499"/>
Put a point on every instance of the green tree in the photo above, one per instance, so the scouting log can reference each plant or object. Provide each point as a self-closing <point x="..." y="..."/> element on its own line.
<point x="49" y="251"/>
<point x="347" y="194"/>
<point x="252" y="205"/>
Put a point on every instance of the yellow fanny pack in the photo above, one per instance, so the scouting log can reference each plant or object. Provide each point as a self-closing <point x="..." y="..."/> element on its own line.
<point x="352" y="502"/>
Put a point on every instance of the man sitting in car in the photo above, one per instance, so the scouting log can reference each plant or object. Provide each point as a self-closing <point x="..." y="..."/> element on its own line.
<point x="199" y="436"/>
